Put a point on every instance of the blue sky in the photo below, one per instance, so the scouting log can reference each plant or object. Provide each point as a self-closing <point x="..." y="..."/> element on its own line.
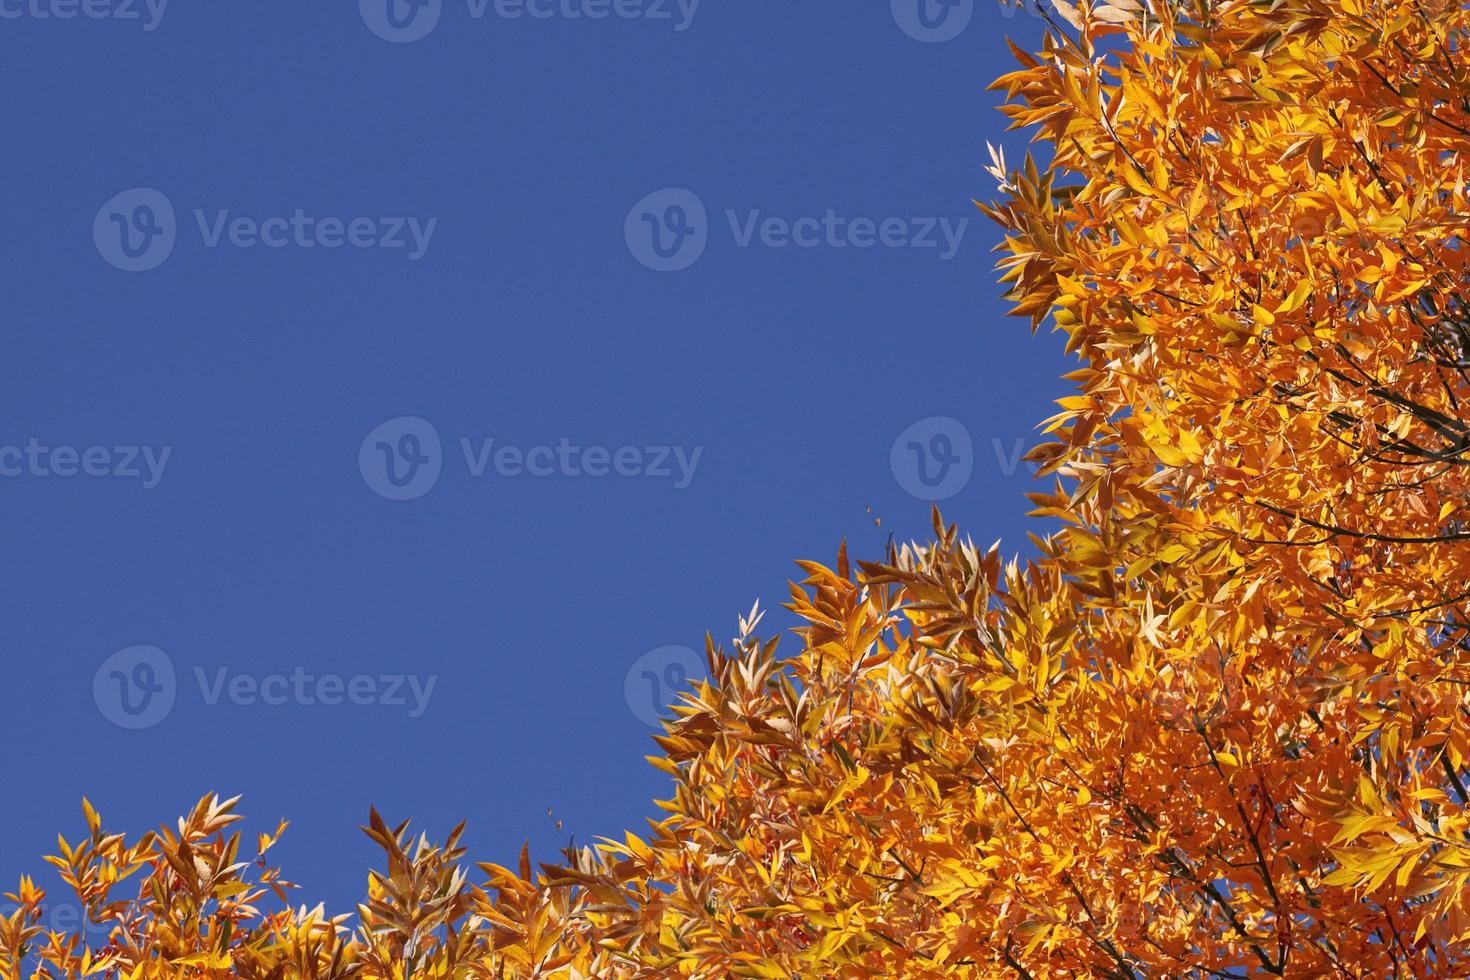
<point x="392" y="396"/>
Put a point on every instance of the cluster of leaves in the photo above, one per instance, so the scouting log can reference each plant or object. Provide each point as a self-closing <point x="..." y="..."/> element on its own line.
<point x="1217" y="729"/>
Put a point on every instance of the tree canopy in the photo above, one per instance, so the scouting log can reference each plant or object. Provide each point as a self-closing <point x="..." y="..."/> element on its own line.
<point x="1217" y="728"/>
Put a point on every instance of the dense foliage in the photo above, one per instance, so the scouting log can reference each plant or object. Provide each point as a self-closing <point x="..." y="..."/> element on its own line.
<point x="1218" y="728"/>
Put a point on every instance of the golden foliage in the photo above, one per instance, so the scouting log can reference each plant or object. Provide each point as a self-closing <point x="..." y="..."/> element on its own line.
<point x="1217" y="729"/>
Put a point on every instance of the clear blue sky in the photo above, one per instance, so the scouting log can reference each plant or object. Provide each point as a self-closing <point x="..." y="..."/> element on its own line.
<point x="202" y="457"/>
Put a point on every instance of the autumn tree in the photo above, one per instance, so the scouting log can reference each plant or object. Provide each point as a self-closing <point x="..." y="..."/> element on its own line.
<point x="1218" y="728"/>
